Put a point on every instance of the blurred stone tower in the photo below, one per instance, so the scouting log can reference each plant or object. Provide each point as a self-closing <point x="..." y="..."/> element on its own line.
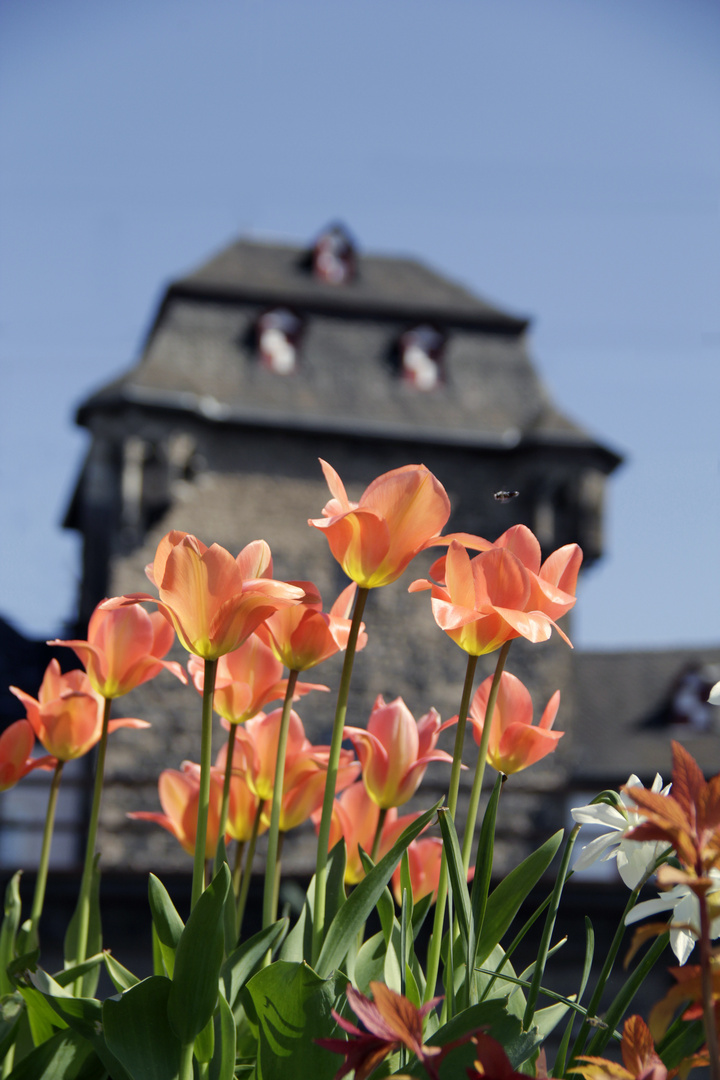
<point x="266" y="358"/>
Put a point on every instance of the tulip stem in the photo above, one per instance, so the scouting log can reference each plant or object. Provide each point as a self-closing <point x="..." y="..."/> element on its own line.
<point x="247" y="875"/>
<point x="318" y="929"/>
<point x="226" y="789"/>
<point x="198" y="882"/>
<point x="433" y="961"/>
<point x="273" y="854"/>
<point x="41" y="880"/>
<point x="237" y="867"/>
<point x="87" y="874"/>
<point x="706" y="975"/>
<point x="472" y="813"/>
<point x="378" y="833"/>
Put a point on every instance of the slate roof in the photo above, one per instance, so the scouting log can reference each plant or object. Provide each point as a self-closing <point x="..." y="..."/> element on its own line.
<point x="201" y="356"/>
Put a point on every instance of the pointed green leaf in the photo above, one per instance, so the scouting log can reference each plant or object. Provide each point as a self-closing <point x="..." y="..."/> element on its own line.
<point x="65" y="1056"/>
<point x="505" y="900"/>
<point x="222" y="1066"/>
<point x="8" y="932"/>
<point x="288" y="1007"/>
<point x="335" y="891"/>
<point x="484" y="860"/>
<point x="138" y="1032"/>
<point x="168" y="924"/>
<point x="122" y="978"/>
<point x="241" y="964"/>
<point x="69" y="975"/>
<point x="458" y="881"/>
<point x="356" y="909"/>
<point x="205" y="1043"/>
<point x="198" y="959"/>
<point x="420" y="913"/>
<point x="385" y="905"/>
<point x="370" y="962"/>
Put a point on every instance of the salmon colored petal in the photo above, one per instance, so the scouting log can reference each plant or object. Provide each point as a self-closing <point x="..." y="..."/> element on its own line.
<point x="534" y="626"/>
<point x="551" y="710"/>
<point x="167" y="823"/>
<point x="343" y="606"/>
<point x="459" y="577"/>
<point x="126" y="722"/>
<point x="255" y="560"/>
<point x="468" y="540"/>
<point x="500" y="580"/>
<point x="562" y="568"/>
<point x="337" y="488"/>
<point x="415" y="506"/>
<point x="522" y="745"/>
<point x="523" y="544"/>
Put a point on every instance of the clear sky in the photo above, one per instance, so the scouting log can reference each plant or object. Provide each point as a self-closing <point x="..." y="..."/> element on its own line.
<point x="560" y="157"/>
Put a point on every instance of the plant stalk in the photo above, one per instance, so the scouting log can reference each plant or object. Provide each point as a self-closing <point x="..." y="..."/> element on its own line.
<point x="711" y="1034"/>
<point x="378" y="834"/>
<point x="41" y="880"/>
<point x="272" y="868"/>
<point x="247" y="874"/>
<point x="318" y="930"/>
<point x="198" y="882"/>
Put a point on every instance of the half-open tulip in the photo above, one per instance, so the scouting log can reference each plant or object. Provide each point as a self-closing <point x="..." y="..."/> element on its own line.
<point x="125" y="647"/>
<point x="16" y="744"/>
<point x="304" y="635"/>
<point x="398" y="515"/>
<point x="305" y="766"/>
<point x="355" y="818"/>
<point x="247" y="679"/>
<point x="67" y="716"/>
<point x="514" y="742"/>
<point x="179" y="793"/>
<point x="395" y="750"/>
<point x="213" y="601"/>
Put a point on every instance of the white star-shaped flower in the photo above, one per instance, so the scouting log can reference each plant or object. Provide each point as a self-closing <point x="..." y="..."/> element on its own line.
<point x="685" y="913"/>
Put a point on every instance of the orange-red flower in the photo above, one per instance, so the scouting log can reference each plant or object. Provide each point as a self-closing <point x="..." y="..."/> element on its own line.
<point x="503" y="592"/>
<point x="124" y="648"/>
<point x="514" y="743"/>
<point x="424" y="860"/>
<point x="305" y="766"/>
<point x="213" y="600"/>
<point x="395" y="750"/>
<point x="303" y="636"/>
<point x="398" y="515"/>
<point x="67" y="715"/>
<point x="641" y="1061"/>
<point x="247" y="679"/>
<point x="179" y="793"/>
<point x="355" y="818"/>
<point x="16" y="744"/>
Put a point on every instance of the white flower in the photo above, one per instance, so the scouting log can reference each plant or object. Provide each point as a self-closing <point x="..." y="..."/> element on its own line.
<point x="685" y="909"/>
<point x="714" y="696"/>
<point x="635" y="858"/>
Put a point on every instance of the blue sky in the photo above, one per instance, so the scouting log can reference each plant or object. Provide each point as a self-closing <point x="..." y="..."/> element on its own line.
<point x="561" y="157"/>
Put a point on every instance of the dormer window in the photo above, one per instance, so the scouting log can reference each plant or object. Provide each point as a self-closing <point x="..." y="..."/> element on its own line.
<point x="278" y="337"/>
<point x="421" y="352"/>
<point x="333" y="256"/>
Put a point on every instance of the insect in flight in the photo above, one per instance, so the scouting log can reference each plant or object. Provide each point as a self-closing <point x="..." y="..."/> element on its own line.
<point x="505" y="496"/>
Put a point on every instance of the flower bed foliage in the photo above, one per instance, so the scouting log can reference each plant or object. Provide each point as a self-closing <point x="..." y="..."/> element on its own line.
<point x="322" y="998"/>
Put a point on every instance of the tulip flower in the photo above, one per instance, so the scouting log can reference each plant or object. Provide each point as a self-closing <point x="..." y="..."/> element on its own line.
<point x="305" y="766"/>
<point x="125" y="647"/>
<point x="67" y="716"/>
<point x="395" y="751"/>
<point x="179" y="793"/>
<point x="213" y="601"/>
<point x="243" y="801"/>
<point x="16" y="744"/>
<point x="424" y="859"/>
<point x="490" y="599"/>
<point x="355" y="819"/>
<point x="303" y="636"/>
<point x="514" y="743"/>
<point x="400" y="514"/>
<point x="248" y="678"/>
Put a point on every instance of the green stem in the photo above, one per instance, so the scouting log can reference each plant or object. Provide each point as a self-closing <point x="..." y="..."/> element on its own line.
<point x="237" y="868"/>
<point x="41" y="880"/>
<point x="318" y="931"/>
<point x="272" y="866"/>
<point x="378" y="834"/>
<point x="433" y="961"/>
<point x="226" y="787"/>
<point x="706" y="975"/>
<point x="87" y="874"/>
<point x="472" y="813"/>
<point x="185" y="1071"/>
<point x="242" y="898"/>
<point x="198" y="882"/>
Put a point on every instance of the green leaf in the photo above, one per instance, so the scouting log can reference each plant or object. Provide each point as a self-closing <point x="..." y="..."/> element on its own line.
<point x="94" y="935"/>
<point x="370" y="962"/>
<point x="69" y="975"/>
<point x="484" y="861"/>
<point x="65" y="1056"/>
<point x="222" y="1066"/>
<point x="166" y="921"/>
<point x="241" y="964"/>
<point x="335" y="895"/>
<point x="288" y="1007"/>
<point x="505" y="900"/>
<point x="198" y="959"/>
<point x="138" y="1032"/>
<point x="385" y="904"/>
<point x="489" y="1016"/>
<point x="297" y="945"/>
<point x="356" y="909"/>
<point x="420" y="912"/>
<point x="122" y="978"/>
<point x="8" y="932"/>
<point x="205" y="1043"/>
<point x="458" y="881"/>
<point x="43" y="1020"/>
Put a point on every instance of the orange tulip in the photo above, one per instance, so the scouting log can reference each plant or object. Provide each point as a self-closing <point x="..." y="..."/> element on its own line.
<point x="213" y="600"/>
<point x="424" y="859"/>
<point x="305" y="766"/>
<point x="124" y="648"/>
<point x="514" y="743"/>
<point x="400" y="514"/>
<point x="16" y="744"/>
<point x="355" y="818"/>
<point x="483" y="602"/>
<point x="303" y="636"/>
<point x="67" y="716"/>
<point x="248" y="678"/>
<point x="179" y="793"/>
<point x="395" y="750"/>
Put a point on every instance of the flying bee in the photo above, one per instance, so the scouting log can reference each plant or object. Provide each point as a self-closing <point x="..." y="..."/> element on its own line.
<point x="505" y="496"/>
